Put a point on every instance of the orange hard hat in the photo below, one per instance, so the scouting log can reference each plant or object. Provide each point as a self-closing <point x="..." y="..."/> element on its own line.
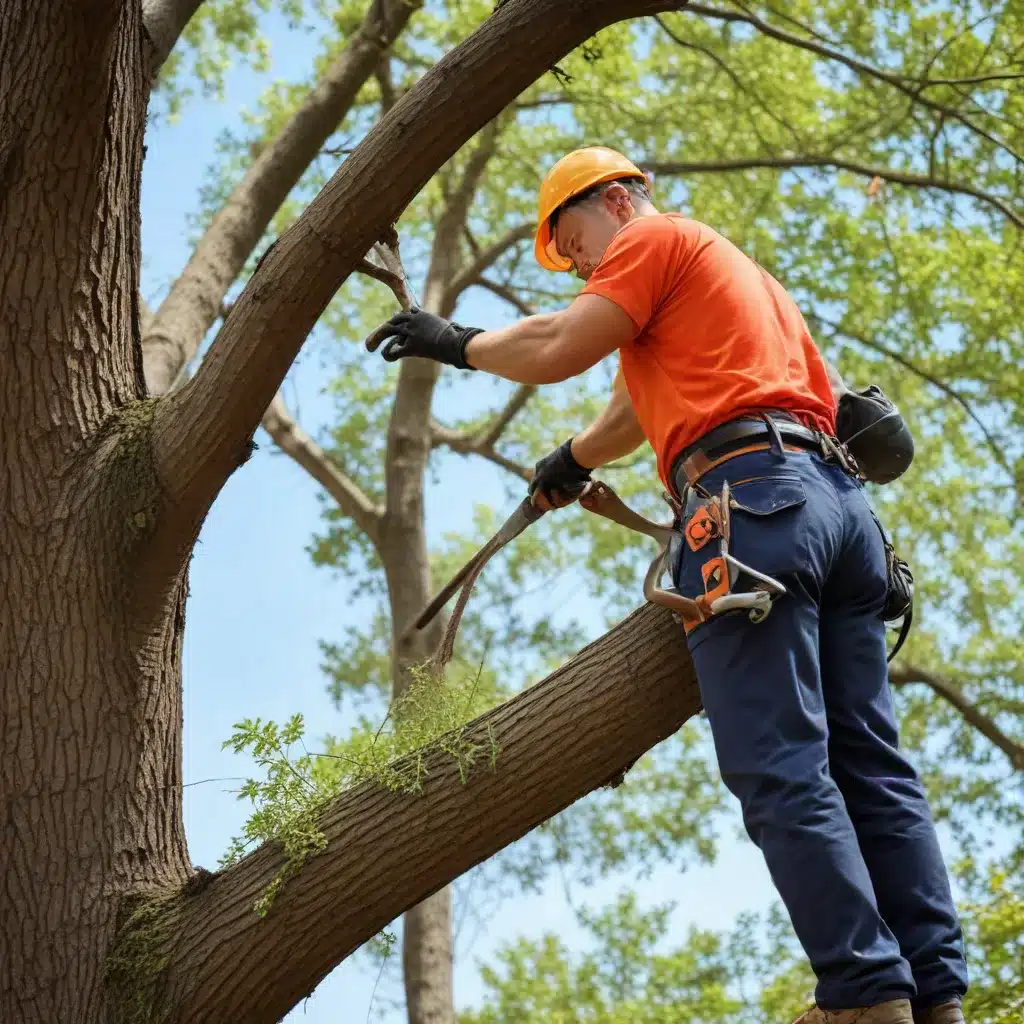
<point x="573" y="174"/>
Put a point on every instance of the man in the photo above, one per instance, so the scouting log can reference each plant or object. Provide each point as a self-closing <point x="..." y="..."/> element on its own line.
<point x="719" y="373"/>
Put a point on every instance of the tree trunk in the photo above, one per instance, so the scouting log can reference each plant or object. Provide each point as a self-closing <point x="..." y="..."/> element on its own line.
<point x="105" y="492"/>
<point x="90" y="641"/>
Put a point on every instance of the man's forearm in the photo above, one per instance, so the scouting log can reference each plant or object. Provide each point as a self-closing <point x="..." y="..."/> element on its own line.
<point x="614" y="434"/>
<point x="552" y="347"/>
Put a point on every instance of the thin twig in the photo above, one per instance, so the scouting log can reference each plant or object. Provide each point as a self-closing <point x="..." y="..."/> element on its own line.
<point x="894" y="79"/>
<point x="945" y="388"/>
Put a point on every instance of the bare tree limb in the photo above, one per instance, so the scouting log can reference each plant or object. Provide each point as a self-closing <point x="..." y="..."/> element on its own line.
<point x="515" y="405"/>
<point x="810" y="160"/>
<point x="507" y="294"/>
<point x="440" y="295"/>
<point x="973" y="715"/>
<point x="896" y="80"/>
<point x="570" y="734"/>
<point x="467" y="444"/>
<point x="192" y="305"/>
<point x="164" y="21"/>
<point x="482" y="442"/>
<point x="484" y="259"/>
<point x="296" y="443"/>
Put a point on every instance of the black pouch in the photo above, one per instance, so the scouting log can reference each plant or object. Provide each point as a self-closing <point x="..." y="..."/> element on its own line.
<point x="899" y="601"/>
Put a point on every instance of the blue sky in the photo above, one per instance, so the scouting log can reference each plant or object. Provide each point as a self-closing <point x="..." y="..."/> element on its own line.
<point x="258" y="606"/>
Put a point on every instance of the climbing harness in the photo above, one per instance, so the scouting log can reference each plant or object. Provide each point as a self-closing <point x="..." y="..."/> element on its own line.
<point x="729" y="584"/>
<point x="699" y="519"/>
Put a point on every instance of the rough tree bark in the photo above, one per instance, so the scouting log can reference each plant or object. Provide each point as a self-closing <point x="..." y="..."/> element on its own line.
<point x="90" y="712"/>
<point x="106" y="493"/>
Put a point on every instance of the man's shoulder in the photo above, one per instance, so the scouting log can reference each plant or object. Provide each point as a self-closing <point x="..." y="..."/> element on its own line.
<point x="662" y="227"/>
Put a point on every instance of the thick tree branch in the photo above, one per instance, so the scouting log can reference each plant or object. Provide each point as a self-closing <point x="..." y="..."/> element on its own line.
<point x="203" y="431"/>
<point x="568" y="735"/>
<point x="899" y="82"/>
<point x="296" y="443"/>
<point x="809" y="160"/>
<point x="164" y="21"/>
<point x="192" y="305"/>
<point x="949" y="691"/>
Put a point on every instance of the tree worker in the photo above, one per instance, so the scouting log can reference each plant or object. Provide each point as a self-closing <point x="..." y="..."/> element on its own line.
<point x="719" y="373"/>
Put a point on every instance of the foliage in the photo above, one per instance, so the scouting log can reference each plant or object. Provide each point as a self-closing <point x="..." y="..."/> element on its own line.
<point x="637" y="971"/>
<point x="628" y="976"/>
<point x="426" y="721"/>
<point x="994" y="920"/>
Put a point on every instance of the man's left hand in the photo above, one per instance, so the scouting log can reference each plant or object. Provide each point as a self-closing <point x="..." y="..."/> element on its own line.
<point x="418" y="333"/>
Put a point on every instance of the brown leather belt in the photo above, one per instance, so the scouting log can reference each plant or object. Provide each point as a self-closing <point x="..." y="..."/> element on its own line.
<point x="737" y="437"/>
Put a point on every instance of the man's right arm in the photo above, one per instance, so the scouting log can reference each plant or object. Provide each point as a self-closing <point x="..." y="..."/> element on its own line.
<point x="613" y="435"/>
<point x="559" y="476"/>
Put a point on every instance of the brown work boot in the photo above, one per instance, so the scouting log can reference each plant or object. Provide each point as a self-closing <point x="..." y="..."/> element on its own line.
<point x="944" y="1013"/>
<point x="896" y="1011"/>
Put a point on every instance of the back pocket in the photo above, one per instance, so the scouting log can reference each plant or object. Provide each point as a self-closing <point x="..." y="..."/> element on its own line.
<point x="766" y="495"/>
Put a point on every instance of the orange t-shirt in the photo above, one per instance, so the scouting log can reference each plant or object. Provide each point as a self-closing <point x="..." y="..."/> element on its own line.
<point x="716" y="335"/>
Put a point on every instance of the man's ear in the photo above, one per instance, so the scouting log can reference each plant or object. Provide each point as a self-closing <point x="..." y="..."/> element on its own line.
<point x="620" y="202"/>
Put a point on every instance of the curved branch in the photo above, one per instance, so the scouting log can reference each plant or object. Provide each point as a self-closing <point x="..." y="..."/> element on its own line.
<point x="484" y="259"/>
<point x="569" y="734"/>
<point x="505" y="293"/>
<point x="482" y="441"/>
<point x="909" y="364"/>
<point x="896" y="80"/>
<point x="949" y="691"/>
<point x="297" y="444"/>
<point x="467" y="444"/>
<point x="193" y="302"/>
<point x="491" y="434"/>
<point x="809" y="160"/>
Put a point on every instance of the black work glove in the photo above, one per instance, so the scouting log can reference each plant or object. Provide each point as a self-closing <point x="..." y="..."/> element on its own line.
<point x="559" y="477"/>
<point x="418" y="333"/>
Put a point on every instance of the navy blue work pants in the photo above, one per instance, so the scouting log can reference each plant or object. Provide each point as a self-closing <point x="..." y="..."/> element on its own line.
<point x="802" y="718"/>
